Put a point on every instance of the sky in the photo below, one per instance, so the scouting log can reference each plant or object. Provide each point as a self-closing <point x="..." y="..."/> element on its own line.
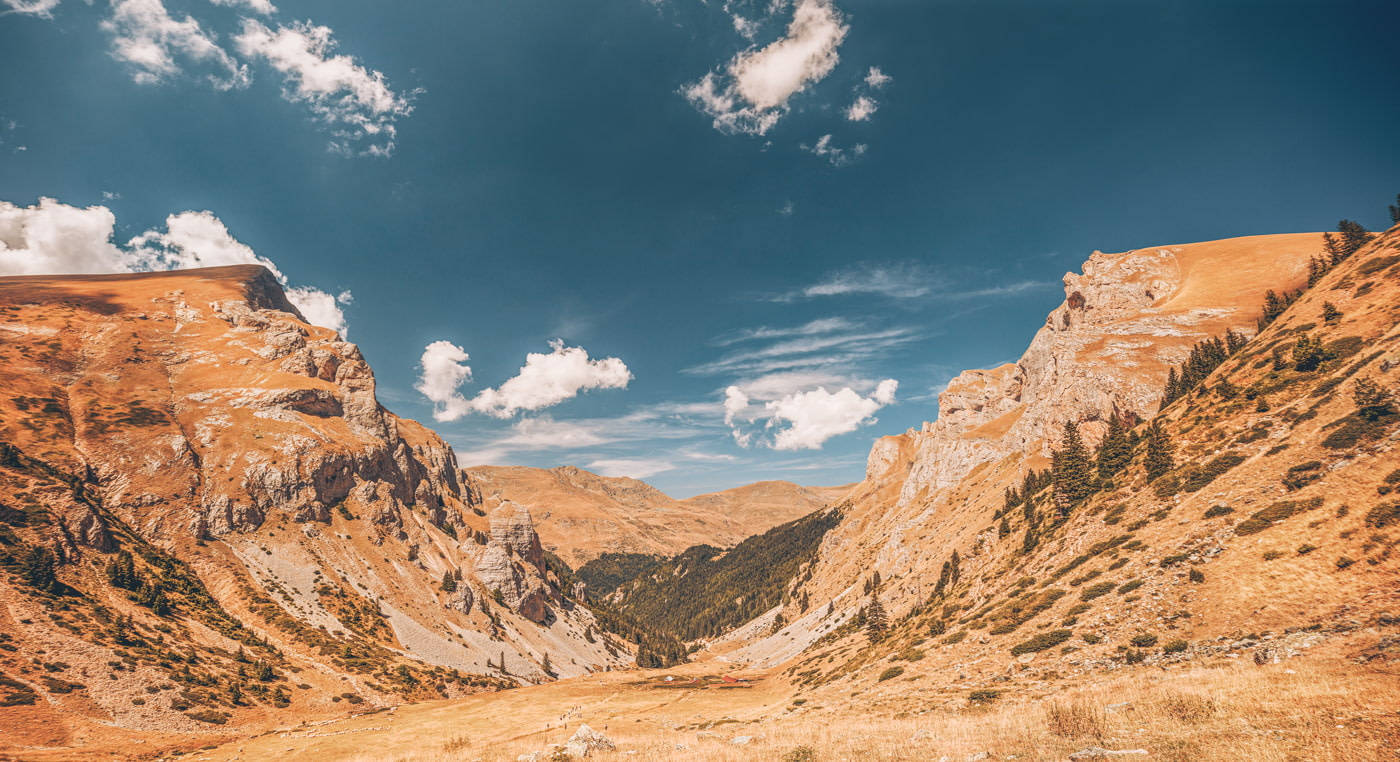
<point x="698" y="243"/>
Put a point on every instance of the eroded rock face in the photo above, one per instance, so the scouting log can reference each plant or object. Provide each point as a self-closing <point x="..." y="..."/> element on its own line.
<point x="204" y="404"/>
<point x="1106" y="348"/>
<point x="512" y="563"/>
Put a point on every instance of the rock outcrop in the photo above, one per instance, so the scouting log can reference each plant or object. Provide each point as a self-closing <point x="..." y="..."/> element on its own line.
<point x="1106" y="348"/>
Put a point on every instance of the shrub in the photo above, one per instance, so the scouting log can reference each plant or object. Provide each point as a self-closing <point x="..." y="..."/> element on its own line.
<point x="1273" y="555"/>
<point x="1218" y="510"/>
<point x="1095" y="591"/>
<point x="1198" y="576"/>
<point x="1306" y="548"/>
<point x="1302" y="475"/>
<point x="983" y="696"/>
<point x="1129" y="586"/>
<point x="210" y="716"/>
<point x="1263" y="519"/>
<point x="1076" y="719"/>
<point x="1041" y="642"/>
<point x="800" y="754"/>
<point x="1344" y="562"/>
<point x="1384" y="515"/>
<point x="1144" y="640"/>
<point x="1186" y="707"/>
<point x="1175" y="646"/>
<point x="1195" y="479"/>
<point x="890" y="674"/>
<point x="1091" y="638"/>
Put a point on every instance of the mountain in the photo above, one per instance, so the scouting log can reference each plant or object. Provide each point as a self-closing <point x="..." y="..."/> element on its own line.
<point x="580" y="515"/>
<point x="1169" y="530"/>
<point x="206" y="517"/>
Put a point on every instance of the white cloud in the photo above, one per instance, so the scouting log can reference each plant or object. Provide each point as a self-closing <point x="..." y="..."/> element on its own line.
<point x="40" y="8"/>
<point x="819" y="415"/>
<point x="861" y="109"/>
<point x="154" y="44"/>
<point x="876" y="78"/>
<point x="746" y="28"/>
<point x="900" y="281"/>
<point x="264" y="7"/>
<point x="635" y="468"/>
<point x="548" y="379"/>
<point x="839" y="157"/>
<point x="442" y="370"/>
<point x="544" y="381"/>
<point x="356" y="102"/>
<point x="810" y="328"/>
<point x="752" y="92"/>
<point x="807" y="351"/>
<point x="53" y="238"/>
<point x="321" y="308"/>
<point x="801" y="420"/>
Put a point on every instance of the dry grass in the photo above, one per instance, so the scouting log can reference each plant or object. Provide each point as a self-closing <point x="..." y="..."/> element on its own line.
<point x="1325" y="711"/>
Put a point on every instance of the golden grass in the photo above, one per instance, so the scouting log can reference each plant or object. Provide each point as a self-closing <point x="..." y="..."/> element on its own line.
<point x="1329" y="712"/>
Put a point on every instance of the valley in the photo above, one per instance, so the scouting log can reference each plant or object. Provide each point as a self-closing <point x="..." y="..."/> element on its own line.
<point x="1170" y="528"/>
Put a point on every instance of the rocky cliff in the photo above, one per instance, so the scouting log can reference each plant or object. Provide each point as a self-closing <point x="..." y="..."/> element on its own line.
<point x="961" y="568"/>
<point x="233" y="465"/>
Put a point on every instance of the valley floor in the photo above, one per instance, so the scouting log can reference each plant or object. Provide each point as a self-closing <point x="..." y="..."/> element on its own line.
<point x="1316" y="706"/>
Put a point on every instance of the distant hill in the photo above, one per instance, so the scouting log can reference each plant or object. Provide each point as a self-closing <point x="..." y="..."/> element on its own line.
<point x="580" y="515"/>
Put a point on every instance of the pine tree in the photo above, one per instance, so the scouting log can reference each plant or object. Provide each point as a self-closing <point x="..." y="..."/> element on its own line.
<point x="1353" y="236"/>
<point x="1160" y="450"/>
<point x="1030" y="540"/>
<point x="1308" y="353"/>
<point x="546" y="666"/>
<point x="1395" y="211"/>
<point x="1172" y="389"/>
<point x="830" y="608"/>
<point x="1115" y="451"/>
<point x="1317" y="269"/>
<point x="1280" y="358"/>
<point x="876" y="621"/>
<point x="1330" y="313"/>
<point x="121" y="572"/>
<point x="1234" y="341"/>
<point x="39" y="569"/>
<point x="449" y="582"/>
<point x="1004" y="529"/>
<point x="1373" y="401"/>
<point x="1072" y="472"/>
<point x="875" y="581"/>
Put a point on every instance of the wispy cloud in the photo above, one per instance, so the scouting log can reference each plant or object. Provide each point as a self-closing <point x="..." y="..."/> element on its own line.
<point x="899" y="281"/>
<point x="807" y="352"/>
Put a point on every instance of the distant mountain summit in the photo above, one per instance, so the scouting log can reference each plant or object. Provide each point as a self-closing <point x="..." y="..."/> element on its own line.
<point x="580" y="514"/>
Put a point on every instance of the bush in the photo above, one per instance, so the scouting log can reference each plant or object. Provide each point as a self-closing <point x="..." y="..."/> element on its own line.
<point x="1344" y="562"/>
<point x="1195" y="479"/>
<point x="1041" y="642"/>
<point x="1175" y="646"/>
<point x="1091" y="638"/>
<point x="210" y="716"/>
<point x="1302" y="475"/>
<point x="1218" y="510"/>
<point x="1144" y="640"/>
<point x="1128" y="587"/>
<point x="890" y="674"/>
<point x="1198" y="576"/>
<point x="983" y="696"/>
<point x="1384" y="515"/>
<point x="1095" y="591"/>
<point x="800" y="754"/>
<point x="1261" y="520"/>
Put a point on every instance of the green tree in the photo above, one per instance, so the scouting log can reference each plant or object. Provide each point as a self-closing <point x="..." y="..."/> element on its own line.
<point x="1160" y="451"/>
<point x="1330" y="313"/>
<point x="39" y="569"/>
<point x="546" y="666"/>
<point x="449" y="582"/>
<point x="1373" y="401"/>
<point x="1071" y="470"/>
<point x="876" y="620"/>
<point x="1308" y="353"/>
<point x="1116" y="449"/>
<point x="121" y="572"/>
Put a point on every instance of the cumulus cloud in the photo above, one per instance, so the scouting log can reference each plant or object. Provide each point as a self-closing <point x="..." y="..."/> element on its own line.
<point x="635" y="468"/>
<point x="752" y="92"/>
<point x="804" y="420"/>
<point x="263" y="7"/>
<point x="53" y="238"/>
<point x="442" y="370"/>
<point x="40" y="8"/>
<point x="861" y="109"/>
<point x="357" y="103"/>
<point x="544" y="381"/>
<point x="839" y="157"/>
<point x="155" y="45"/>
<point x="877" y="79"/>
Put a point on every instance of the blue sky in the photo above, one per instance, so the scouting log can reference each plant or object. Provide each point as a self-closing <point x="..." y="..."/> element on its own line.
<point x="621" y="211"/>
